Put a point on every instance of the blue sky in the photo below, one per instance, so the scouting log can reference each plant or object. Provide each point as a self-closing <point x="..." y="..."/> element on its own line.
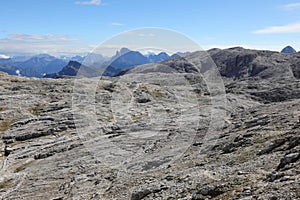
<point x="74" y="26"/>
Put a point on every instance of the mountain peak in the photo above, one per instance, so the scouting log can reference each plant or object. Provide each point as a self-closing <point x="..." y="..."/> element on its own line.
<point x="74" y="63"/>
<point x="288" y="50"/>
<point x="44" y="55"/>
<point x="123" y="51"/>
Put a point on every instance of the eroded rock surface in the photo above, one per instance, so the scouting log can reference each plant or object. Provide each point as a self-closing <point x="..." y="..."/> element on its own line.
<point x="151" y="138"/>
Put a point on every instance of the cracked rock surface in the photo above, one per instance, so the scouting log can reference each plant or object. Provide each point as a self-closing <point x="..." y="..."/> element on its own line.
<point x="141" y="137"/>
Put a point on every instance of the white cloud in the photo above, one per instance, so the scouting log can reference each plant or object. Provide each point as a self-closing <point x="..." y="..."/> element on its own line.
<point x="117" y="24"/>
<point x="139" y="34"/>
<point x="290" y="28"/>
<point x="91" y="2"/>
<point x="291" y="6"/>
<point x="49" y="37"/>
<point x="52" y="43"/>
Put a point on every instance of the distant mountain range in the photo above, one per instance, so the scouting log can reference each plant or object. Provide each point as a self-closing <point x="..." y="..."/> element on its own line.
<point x="40" y="65"/>
<point x="36" y="66"/>
<point x="234" y="63"/>
<point x="8" y="69"/>
<point x="72" y="69"/>
<point x="44" y="65"/>
<point x="123" y="60"/>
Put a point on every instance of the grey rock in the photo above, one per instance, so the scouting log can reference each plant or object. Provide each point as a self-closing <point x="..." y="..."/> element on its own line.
<point x="287" y="159"/>
<point x="213" y="191"/>
<point x="151" y="133"/>
<point x="140" y="194"/>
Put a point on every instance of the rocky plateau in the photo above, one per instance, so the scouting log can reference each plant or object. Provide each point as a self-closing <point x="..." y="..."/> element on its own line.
<point x="170" y="130"/>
